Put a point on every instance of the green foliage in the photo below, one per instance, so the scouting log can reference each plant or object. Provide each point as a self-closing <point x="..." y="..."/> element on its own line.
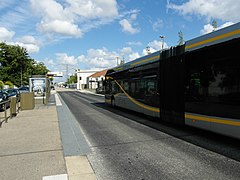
<point x="9" y="84"/>
<point x="39" y="68"/>
<point x="180" y="36"/>
<point x="1" y="85"/>
<point x="16" y="66"/>
<point x="72" y="79"/>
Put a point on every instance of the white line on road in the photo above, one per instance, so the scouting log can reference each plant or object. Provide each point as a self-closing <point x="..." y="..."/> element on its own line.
<point x="58" y="102"/>
<point x="56" y="177"/>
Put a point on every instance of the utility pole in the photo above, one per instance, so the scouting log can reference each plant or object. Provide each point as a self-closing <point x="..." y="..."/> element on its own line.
<point x="117" y="58"/>
<point x="67" y="70"/>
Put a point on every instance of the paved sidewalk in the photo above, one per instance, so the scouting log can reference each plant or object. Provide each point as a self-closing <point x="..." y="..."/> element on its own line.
<point x="31" y="148"/>
<point x="30" y="145"/>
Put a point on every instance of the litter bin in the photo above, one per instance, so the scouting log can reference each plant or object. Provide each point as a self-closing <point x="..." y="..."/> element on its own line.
<point x="27" y="101"/>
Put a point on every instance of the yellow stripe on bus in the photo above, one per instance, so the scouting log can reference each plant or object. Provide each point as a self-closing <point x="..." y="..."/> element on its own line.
<point x="236" y="32"/>
<point x="213" y="120"/>
<point x="138" y="103"/>
<point x="145" y="60"/>
<point x="187" y="116"/>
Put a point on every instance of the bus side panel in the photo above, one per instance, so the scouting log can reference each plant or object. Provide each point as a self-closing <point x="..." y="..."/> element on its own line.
<point x="212" y="88"/>
<point x="172" y="90"/>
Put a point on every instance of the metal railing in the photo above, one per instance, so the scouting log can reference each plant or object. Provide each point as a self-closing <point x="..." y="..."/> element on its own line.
<point x="9" y="112"/>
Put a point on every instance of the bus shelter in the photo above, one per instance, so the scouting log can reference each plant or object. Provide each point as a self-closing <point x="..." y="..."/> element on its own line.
<point x="40" y="86"/>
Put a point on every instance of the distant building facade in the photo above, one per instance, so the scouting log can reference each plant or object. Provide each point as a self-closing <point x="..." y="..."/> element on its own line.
<point x="96" y="80"/>
<point x="82" y="76"/>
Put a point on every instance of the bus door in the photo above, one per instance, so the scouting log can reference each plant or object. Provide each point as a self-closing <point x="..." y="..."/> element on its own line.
<point x="171" y="86"/>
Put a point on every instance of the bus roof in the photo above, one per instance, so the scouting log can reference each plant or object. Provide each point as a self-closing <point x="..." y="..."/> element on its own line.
<point x="215" y="37"/>
<point x="209" y="39"/>
<point x="137" y="62"/>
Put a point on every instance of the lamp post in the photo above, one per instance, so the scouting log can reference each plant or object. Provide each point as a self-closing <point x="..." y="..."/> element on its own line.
<point x="21" y="73"/>
<point x="162" y="38"/>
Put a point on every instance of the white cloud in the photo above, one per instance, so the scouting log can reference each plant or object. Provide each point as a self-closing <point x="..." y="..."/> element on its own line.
<point x="61" y="27"/>
<point x="134" y="43"/>
<point x="209" y="28"/>
<point x="73" y="17"/>
<point x="127" y="27"/>
<point x="133" y="16"/>
<point x="98" y="58"/>
<point x="28" y="42"/>
<point x="49" y="10"/>
<point x="92" y="9"/>
<point x="31" y="48"/>
<point x="226" y="10"/>
<point x="133" y="56"/>
<point x="157" y="45"/>
<point x="6" y="35"/>
<point x="157" y="25"/>
<point x="127" y="54"/>
<point x="63" y="58"/>
<point x="126" y="50"/>
<point x="5" y="3"/>
<point x="128" y="24"/>
<point x="102" y="58"/>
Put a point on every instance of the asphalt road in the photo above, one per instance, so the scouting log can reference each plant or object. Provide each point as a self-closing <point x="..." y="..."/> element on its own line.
<point x="125" y="145"/>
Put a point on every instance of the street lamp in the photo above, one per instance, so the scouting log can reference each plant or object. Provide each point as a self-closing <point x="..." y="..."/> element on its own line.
<point x="162" y="38"/>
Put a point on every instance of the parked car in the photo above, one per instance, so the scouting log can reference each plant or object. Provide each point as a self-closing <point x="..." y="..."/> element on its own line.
<point x="4" y="97"/>
<point x="12" y="92"/>
<point x="100" y="90"/>
<point x="23" y="89"/>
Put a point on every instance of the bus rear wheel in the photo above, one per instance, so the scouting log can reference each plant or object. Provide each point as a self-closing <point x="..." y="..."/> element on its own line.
<point x="113" y="102"/>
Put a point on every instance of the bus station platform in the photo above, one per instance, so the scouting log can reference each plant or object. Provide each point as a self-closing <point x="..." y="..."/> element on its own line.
<point x="38" y="145"/>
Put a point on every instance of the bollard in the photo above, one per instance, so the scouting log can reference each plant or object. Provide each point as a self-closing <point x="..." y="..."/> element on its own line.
<point x="13" y="110"/>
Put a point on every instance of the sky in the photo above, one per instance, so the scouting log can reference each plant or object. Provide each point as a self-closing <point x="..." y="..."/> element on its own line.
<point x="94" y="34"/>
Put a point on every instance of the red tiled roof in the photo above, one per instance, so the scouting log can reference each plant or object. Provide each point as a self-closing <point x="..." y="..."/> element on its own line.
<point x="99" y="74"/>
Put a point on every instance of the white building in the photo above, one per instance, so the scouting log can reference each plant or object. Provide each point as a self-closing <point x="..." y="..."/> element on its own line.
<point x="96" y="80"/>
<point x="82" y="78"/>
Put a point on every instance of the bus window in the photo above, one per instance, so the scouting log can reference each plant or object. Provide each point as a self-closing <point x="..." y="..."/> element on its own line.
<point x="126" y="86"/>
<point x="132" y="88"/>
<point x="150" y="87"/>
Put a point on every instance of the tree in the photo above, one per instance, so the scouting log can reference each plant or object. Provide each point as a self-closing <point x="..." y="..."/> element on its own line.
<point x="1" y="85"/>
<point x="180" y="36"/>
<point x="72" y="79"/>
<point x="14" y="62"/>
<point x="16" y="66"/>
<point x="214" y="25"/>
<point x="9" y="84"/>
<point x="38" y="68"/>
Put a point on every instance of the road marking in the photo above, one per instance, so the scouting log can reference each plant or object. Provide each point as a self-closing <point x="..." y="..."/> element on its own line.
<point x="56" y="177"/>
<point x="58" y="102"/>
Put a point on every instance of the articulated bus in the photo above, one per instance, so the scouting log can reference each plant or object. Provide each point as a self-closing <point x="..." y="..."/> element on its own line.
<point x="195" y="84"/>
